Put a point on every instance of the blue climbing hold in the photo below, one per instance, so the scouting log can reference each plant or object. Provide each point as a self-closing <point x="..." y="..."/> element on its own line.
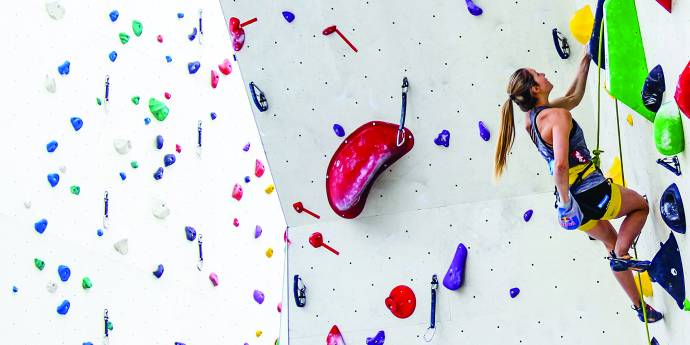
<point x="672" y="210"/>
<point x="456" y="272"/>
<point x="158" y="174"/>
<point x="190" y="233"/>
<point x="514" y="292"/>
<point x="15" y="289"/>
<point x="258" y="231"/>
<point x="114" y="15"/>
<point x="378" y="339"/>
<point x="213" y="116"/>
<point x="53" y="179"/>
<point x="159" y="271"/>
<point x="339" y="130"/>
<point x="594" y="40"/>
<point x="64" y="68"/>
<point x="77" y="123"/>
<point x="246" y="147"/>
<point x="169" y="159"/>
<point x="246" y="179"/>
<point x="99" y="232"/>
<point x="192" y="36"/>
<point x="484" y="132"/>
<point x="112" y="56"/>
<point x="168" y="58"/>
<point x="193" y="67"/>
<point x="180" y="15"/>
<point x="159" y="141"/>
<point x="667" y="270"/>
<point x="123" y="176"/>
<point x="528" y="215"/>
<point x="64" y="272"/>
<point x="52" y="146"/>
<point x="87" y="343"/>
<point x="147" y="120"/>
<point x="63" y="308"/>
<point x="289" y="16"/>
<point x="41" y="225"/>
<point x="443" y="138"/>
<point x="653" y="89"/>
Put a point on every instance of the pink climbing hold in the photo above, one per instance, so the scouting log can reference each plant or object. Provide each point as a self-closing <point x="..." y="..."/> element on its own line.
<point x="214" y="79"/>
<point x="167" y="95"/>
<point x="236" y="222"/>
<point x="178" y="148"/>
<point x="225" y="67"/>
<point x="335" y="337"/>
<point x="259" y="169"/>
<point x="236" y="33"/>
<point x="280" y="307"/>
<point x="666" y="4"/>
<point x="214" y="278"/>
<point x="159" y="38"/>
<point x="237" y="192"/>
<point x="682" y="95"/>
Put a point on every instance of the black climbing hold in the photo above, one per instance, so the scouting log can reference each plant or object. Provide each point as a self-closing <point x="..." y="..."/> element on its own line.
<point x="653" y="89"/>
<point x="671" y="208"/>
<point x="667" y="270"/>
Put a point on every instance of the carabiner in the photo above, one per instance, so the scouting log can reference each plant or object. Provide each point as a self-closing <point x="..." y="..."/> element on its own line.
<point x="561" y="44"/>
<point x="670" y="163"/>
<point x="403" y="113"/>
<point x="300" y="291"/>
<point x="260" y="100"/>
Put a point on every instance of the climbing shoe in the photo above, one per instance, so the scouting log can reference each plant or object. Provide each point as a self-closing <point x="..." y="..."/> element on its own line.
<point x="626" y="263"/>
<point x="652" y="315"/>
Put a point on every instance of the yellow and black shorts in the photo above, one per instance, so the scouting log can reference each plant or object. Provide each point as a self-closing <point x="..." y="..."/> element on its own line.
<point x="602" y="202"/>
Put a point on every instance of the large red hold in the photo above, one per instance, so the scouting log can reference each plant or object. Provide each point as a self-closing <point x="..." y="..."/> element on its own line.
<point x="359" y="160"/>
<point x="666" y="4"/>
<point x="682" y="95"/>
<point x="401" y="301"/>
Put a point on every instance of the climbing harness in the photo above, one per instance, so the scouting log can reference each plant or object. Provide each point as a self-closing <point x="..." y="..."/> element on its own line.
<point x="670" y="163"/>
<point x="403" y="113"/>
<point x="299" y="289"/>
<point x="260" y="99"/>
<point x="431" y="331"/>
<point x="561" y="44"/>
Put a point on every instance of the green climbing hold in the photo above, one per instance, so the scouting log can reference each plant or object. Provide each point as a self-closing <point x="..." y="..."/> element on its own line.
<point x="39" y="264"/>
<point x="668" y="130"/>
<point x="98" y="101"/>
<point x="137" y="27"/>
<point x="110" y="326"/>
<point x="135" y="100"/>
<point x="86" y="283"/>
<point x="686" y="305"/>
<point x="124" y="38"/>
<point x="627" y="61"/>
<point x="134" y="164"/>
<point x="75" y="190"/>
<point x="158" y="109"/>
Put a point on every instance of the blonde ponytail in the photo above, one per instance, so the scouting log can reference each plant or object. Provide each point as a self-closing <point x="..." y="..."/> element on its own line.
<point x="506" y="137"/>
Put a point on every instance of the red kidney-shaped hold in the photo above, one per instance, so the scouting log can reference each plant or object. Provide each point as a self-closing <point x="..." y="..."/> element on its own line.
<point x="359" y="160"/>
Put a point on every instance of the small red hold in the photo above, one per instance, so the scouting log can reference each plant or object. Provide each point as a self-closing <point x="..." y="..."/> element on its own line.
<point x="237" y="192"/>
<point x="168" y="95"/>
<point x="178" y="148"/>
<point x="214" y="79"/>
<point x="682" y="95"/>
<point x="236" y="222"/>
<point x="225" y="67"/>
<point x="259" y="169"/>
<point x="159" y="38"/>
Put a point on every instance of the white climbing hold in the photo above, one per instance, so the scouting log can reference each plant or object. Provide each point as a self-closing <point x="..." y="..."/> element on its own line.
<point x="122" y="146"/>
<point x="55" y="10"/>
<point x="27" y="204"/>
<point x="51" y="286"/>
<point x="161" y="211"/>
<point x="63" y="169"/>
<point x="122" y="246"/>
<point x="49" y="84"/>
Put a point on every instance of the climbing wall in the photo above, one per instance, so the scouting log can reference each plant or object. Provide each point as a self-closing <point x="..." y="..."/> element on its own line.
<point x="436" y="197"/>
<point x="183" y="305"/>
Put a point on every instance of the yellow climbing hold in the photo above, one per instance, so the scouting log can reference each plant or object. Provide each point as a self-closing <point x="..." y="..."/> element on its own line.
<point x="259" y="333"/>
<point x="581" y="24"/>
<point x="630" y="119"/>
<point x="647" y="290"/>
<point x="615" y="172"/>
<point x="270" y="189"/>
<point x="269" y="252"/>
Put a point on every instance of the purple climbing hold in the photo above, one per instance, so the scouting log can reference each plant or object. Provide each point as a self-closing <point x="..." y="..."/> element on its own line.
<point x="158" y="174"/>
<point x="258" y="296"/>
<point x="169" y="159"/>
<point x="473" y="8"/>
<point x="257" y="231"/>
<point x="456" y="272"/>
<point x="179" y="343"/>
<point x="653" y="89"/>
<point x="193" y="67"/>
<point x="159" y="271"/>
<point x="52" y="146"/>
<point x="443" y="138"/>
<point x="213" y="116"/>
<point x="64" y="272"/>
<point x="528" y="215"/>
<point x="147" y="120"/>
<point x="289" y="16"/>
<point x="246" y="147"/>
<point x="514" y="292"/>
<point x="114" y="15"/>
<point x="159" y="141"/>
<point x="247" y="179"/>
<point x="41" y="225"/>
<point x="378" y="339"/>
<point x="339" y="130"/>
<point x="64" y="68"/>
<point x="53" y="179"/>
<point x="123" y="176"/>
<point x="190" y="233"/>
<point x="192" y="36"/>
<point x="180" y="15"/>
<point x="168" y="58"/>
<point x="77" y="123"/>
<point x="484" y="132"/>
<point x="63" y="308"/>
<point x="112" y="56"/>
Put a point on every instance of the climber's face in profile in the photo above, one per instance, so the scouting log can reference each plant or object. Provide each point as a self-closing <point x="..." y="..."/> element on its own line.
<point x="543" y="85"/>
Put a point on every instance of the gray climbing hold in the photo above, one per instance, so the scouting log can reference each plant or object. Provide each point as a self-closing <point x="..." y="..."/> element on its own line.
<point x="55" y="10"/>
<point x="49" y="84"/>
<point x="122" y="146"/>
<point x="51" y="286"/>
<point x="27" y="204"/>
<point x="122" y="246"/>
<point x="160" y="210"/>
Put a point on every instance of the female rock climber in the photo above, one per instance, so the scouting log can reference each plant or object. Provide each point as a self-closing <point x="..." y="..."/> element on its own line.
<point x="585" y="199"/>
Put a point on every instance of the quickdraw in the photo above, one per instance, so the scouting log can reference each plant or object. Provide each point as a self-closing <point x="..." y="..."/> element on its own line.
<point x="200" y="264"/>
<point x="561" y="44"/>
<point x="403" y="113"/>
<point x="260" y="99"/>
<point x="670" y="163"/>
<point x="300" y="291"/>
<point x="431" y="331"/>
